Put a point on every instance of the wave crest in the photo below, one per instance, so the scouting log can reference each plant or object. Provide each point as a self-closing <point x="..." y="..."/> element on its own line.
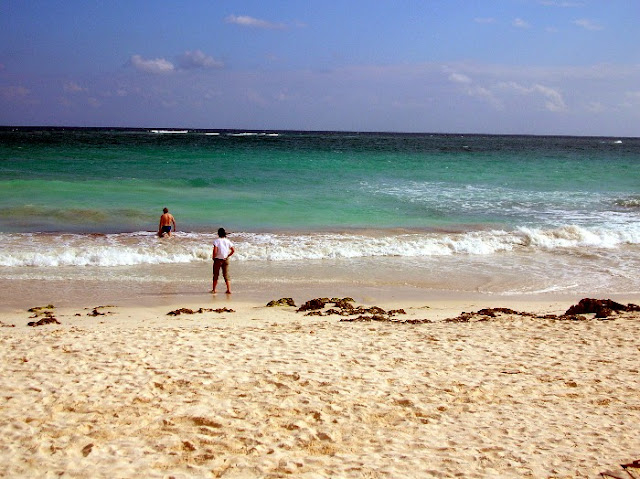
<point x="628" y="202"/>
<point x="44" y="250"/>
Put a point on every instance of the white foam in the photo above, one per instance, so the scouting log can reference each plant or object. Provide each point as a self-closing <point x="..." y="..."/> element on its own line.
<point x="170" y="132"/>
<point x="575" y="236"/>
<point x="250" y="133"/>
<point x="19" y="250"/>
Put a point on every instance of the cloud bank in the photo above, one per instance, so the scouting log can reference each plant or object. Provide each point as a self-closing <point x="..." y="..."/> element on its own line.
<point x="457" y="97"/>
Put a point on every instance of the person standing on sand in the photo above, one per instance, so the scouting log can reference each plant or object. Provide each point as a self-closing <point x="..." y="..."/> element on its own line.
<point x="166" y="221"/>
<point x="222" y="250"/>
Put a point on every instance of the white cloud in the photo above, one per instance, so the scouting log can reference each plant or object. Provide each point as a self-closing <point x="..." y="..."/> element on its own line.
<point x="511" y="85"/>
<point x="520" y="23"/>
<point x="553" y="100"/>
<point x="459" y="78"/>
<point x="190" y="60"/>
<point x="157" y="66"/>
<point x="587" y="24"/>
<point x="475" y="91"/>
<point x="484" y="94"/>
<point x="73" y="87"/>
<point x="247" y="21"/>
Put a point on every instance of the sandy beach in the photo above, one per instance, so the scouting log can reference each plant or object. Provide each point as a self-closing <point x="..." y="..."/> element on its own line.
<point x="245" y="390"/>
<point x="429" y="217"/>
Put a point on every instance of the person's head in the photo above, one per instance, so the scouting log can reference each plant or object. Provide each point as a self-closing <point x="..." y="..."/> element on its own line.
<point x="165" y="210"/>
<point x="222" y="233"/>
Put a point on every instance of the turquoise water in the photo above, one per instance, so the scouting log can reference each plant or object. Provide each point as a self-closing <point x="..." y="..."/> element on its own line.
<point x="513" y="208"/>
<point x="118" y="181"/>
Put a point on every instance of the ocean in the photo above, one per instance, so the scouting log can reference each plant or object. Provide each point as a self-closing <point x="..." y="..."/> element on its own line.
<point x="452" y="213"/>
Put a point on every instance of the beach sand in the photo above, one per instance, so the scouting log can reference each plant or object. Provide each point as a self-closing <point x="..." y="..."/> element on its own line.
<point x="269" y="392"/>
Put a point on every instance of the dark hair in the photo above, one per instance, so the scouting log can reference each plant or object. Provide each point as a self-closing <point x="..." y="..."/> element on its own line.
<point x="165" y="210"/>
<point x="221" y="232"/>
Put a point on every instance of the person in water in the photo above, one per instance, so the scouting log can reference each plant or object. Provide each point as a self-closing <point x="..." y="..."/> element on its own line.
<point x="166" y="222"/>
<point x="222" y="250"/>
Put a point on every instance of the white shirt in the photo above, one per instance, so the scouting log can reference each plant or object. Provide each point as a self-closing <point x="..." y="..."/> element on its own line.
<point x="224" y="247"/>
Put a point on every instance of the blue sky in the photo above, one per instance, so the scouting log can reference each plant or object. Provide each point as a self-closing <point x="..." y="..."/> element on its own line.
<point x="459" y="66"/>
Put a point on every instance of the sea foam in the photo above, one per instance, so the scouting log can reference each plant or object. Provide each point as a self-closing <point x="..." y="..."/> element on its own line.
<point x="45" y="250"/>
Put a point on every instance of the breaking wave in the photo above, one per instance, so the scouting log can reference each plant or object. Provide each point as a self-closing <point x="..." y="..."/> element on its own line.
<point x="112" y="250"/>
<point x="631" y="203"/>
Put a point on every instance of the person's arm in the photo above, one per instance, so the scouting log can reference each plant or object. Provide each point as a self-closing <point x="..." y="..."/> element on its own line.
<point x="215" y="250"/>
<point x="173" y="220"/>
<point x="231" y="251"/>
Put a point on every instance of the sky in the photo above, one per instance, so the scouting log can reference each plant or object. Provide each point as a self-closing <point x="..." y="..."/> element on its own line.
<point x="443" y="66"/>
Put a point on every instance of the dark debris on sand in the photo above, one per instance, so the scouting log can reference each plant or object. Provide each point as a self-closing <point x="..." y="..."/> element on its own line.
<point x="281" y="302"/>
<point x="43" y="321"/>
<point x="490" y="313"/>
<point x="46" y="312"/>
<point x="40" y="309"/>
<point x="320" y="303"/>
<point x="603" y="309"/>
<point x="343" y="307"/>
<point x="180" y="311"/>
<point x="94" y="312"/>
<point x="629" y="471"/>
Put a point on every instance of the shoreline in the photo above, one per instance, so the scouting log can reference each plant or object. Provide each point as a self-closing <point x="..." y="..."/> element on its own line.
<point x="19" y="295"/>
<point x="154" y="309"/>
